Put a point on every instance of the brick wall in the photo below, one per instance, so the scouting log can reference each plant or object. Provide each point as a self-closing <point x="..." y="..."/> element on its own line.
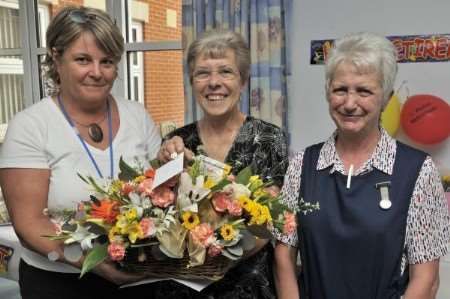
<point x="164" y="95"/>
<point x="56" y="7"/>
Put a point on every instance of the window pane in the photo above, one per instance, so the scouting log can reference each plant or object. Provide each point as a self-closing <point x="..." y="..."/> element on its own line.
<point x="157" y="82"/>
<point x="47" y="9"/>
<point x="9" y="25"/>
<point x="11" y="87"/>
<point x="43" y="14"/>
<point x="136" y="79"/>
<point x="158" y="20"/>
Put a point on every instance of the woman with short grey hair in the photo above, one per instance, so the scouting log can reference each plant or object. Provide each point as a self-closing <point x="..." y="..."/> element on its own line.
<point x="367" y="52"/>
<point x="383" y="222"/>
<point x="219" y="66"/>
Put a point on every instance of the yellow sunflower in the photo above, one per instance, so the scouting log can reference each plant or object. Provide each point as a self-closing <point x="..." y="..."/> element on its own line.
<point x="227" y="232"/>
<point x="260" y="214"/>
<point x="190" y="220"/>
<point x="246" y="203"/>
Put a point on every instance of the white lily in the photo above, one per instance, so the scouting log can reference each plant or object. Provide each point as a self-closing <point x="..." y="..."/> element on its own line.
<point x="83" y="236"/>
<point x="139" y="202"/>
<point x="189" y="195"/>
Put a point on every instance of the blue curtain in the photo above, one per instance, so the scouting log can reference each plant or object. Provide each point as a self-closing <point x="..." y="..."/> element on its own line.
<point x="264" y="24"/>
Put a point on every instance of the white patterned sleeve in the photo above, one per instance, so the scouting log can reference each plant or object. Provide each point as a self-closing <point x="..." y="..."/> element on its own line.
<point x="428" y="221"/>
<point x="290" y="193"/>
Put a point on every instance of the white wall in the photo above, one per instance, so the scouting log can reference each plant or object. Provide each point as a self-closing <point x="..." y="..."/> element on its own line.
<point x="309" y="121"/>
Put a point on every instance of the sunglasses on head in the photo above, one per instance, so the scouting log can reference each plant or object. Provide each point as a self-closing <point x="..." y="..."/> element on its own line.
<point x="81" y="17"/>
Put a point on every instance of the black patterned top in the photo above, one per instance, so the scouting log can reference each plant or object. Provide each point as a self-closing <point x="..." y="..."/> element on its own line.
<point x="258" y="143"/>
<point x="263" y="146"/>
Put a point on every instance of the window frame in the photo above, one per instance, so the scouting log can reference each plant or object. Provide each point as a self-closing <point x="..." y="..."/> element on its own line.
<point x="31" y="50"/>
<point x="119" y="11"/>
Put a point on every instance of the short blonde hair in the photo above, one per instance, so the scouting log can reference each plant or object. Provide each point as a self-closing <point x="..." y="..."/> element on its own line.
<point x="65" y="28"/>
<point x="215" y="44"/>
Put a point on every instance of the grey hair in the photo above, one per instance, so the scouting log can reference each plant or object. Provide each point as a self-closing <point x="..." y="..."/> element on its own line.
<point x="63" y="31"/>
<point x="367" y="52"/>
<point x="215" y="44"/>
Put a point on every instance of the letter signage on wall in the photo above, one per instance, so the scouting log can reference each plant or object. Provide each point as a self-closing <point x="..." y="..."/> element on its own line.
<point x="410" y="48"/>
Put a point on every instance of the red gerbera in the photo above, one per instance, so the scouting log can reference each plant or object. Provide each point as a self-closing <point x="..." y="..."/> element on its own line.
<point x="149" y="173"/>
<point x="107" y="210"/>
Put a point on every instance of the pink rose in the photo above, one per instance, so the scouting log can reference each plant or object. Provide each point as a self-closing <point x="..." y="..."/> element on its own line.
<point x="148" y="226"/>
<point x="145" y="186"/>
<point x="127" y="188"/>
<point x="221" y="201"/>
<point x="214" y="250"/>
<point x="272" y="190"/>
<point x="116" y="251"/>
<point x="203" y="234"/>
<point x="234" y="208"/>
<point x="289" y="223"/>
<point x="162" y="196"/>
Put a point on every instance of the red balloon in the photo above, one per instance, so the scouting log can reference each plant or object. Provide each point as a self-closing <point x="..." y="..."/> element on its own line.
<point x="426" y="119"/>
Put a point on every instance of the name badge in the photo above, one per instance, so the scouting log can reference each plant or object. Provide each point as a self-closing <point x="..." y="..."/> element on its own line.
<point x="385" y="203"/>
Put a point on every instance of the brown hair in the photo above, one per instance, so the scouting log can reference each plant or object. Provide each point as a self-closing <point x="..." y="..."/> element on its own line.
<point x="65" y="28"/>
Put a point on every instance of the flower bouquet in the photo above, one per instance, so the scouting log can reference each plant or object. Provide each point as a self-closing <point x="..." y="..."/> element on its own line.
<point x="193" y="225"/>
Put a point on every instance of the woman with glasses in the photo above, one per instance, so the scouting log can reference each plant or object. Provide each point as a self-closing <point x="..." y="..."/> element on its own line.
<point x="383" y="222"/>
<point x="80" y="128"/>
<point x="218" y="66"/>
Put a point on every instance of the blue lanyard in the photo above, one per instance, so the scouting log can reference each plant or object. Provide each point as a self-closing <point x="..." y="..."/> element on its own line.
<point x="83" y="143"/>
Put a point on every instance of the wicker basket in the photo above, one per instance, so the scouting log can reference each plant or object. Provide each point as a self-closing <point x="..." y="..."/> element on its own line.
<point x="214" y="268"/>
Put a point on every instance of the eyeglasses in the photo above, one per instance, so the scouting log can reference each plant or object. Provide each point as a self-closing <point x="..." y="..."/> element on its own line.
<point x="226" y="74"/>
<point x="81" y="17"/>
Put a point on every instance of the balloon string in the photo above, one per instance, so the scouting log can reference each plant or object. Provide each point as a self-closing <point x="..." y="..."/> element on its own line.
<point x="406" y="88"/>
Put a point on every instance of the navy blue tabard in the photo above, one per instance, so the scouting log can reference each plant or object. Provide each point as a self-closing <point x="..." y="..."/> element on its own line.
<point x="351" y="248"/>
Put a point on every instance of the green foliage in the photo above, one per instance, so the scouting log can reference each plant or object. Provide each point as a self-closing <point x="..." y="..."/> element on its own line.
<point x="97" y="255"/>
<point x="155" y="163"/>
<point x="219" y="186"/>
<point x="91" y="181"/>
<point x="195" y="169"/>
<point x="244" y="175"/>
<point x="127" y="173"/>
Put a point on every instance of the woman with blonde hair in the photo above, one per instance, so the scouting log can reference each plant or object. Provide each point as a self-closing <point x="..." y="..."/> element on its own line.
<point x="82" y="129"/>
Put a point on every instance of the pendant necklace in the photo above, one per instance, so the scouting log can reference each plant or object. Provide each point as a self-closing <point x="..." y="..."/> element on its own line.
<point x="83" y="143"/>
<point x="95" y="132"/>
